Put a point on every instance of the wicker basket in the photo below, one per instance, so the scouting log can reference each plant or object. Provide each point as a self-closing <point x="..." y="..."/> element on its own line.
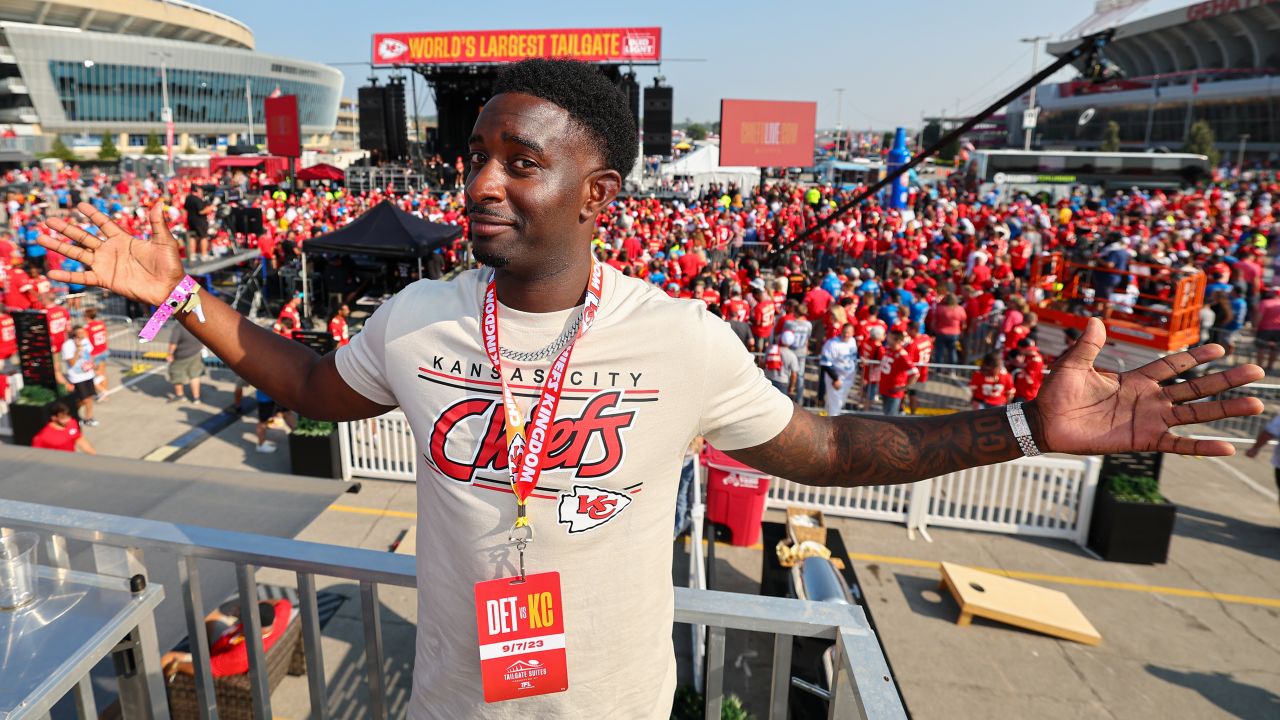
<point x="233" y="693"/>
<point x="802" y="532"/>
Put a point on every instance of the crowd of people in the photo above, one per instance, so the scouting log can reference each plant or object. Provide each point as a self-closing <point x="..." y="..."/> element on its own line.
<point x="886" y="292"/>
<point x="875" y="295"/>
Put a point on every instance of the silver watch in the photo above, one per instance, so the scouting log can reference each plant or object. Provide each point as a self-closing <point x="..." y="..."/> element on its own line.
<point x="1021" y="430"/>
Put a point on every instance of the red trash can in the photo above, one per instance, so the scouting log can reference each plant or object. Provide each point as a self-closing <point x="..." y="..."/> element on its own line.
<point x="735" y="496"/>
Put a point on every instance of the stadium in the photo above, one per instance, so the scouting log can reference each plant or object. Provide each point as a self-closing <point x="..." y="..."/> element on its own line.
<point x="1215" y="61"/>
<point x="79" y="68"/>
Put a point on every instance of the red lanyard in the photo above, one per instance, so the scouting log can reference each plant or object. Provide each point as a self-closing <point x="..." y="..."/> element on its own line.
<point x="526" y="451"/>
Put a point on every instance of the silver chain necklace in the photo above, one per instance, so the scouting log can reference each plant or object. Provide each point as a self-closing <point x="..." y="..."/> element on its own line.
<point x="555" y="347"/>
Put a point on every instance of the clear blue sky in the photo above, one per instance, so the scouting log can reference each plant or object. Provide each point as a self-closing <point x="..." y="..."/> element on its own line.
<point x="897" y="59"/>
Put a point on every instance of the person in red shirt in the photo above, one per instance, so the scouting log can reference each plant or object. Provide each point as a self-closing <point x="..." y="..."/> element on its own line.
<point x="897" y="369"/>
<point x="1028" y="371"/>
<point x="736" y="309"/>
<point x="992" y="385"/>
<point x="779" y="297"/>
<point x="338" y="326"/>
<point x="818" y="301"/>
<point x="836" y="318"/>
<point x="871" y="351"/>
<point x="97" y="331"/>
<point x="290" y="311"/>
<point x="708" y="295"/>
<point x="870" y="325"/>
<point x="18" y="290"/>
<point x="8" y="337"/>
<point x="980" y="275"/>
<point x="692" y="263"/>
<point x="59" y="321"/>
<point x="62" y="433"/>
<point x="1020" y="332"/>
<point x="762" y="320"/>
<point x="922" y="354"/>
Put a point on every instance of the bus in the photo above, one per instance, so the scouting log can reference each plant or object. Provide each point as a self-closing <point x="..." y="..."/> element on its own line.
<point x="848" y="174"/>
<point x="1057" y="172"/>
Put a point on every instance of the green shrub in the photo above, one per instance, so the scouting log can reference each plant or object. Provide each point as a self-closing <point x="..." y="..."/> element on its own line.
<point x="1135" y="489"/>
<point x="107" y="149"/>
<point x="35" y="395"/>
<point x="60" y="151"/>
<point x="689" y="705"/>
<point x="153" y="146"/>
<point x="314" y="428"/>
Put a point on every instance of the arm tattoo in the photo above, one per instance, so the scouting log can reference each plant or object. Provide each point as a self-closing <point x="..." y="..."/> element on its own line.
<point x="856" y="450"/>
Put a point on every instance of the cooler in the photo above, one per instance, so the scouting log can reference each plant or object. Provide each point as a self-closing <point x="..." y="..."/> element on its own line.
<point x="735" y="496"/>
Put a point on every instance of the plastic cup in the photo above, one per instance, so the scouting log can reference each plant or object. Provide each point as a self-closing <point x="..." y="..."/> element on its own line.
<point x="18" y="569"/>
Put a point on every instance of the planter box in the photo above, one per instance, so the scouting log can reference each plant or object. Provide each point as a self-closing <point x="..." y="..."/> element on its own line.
<point x="1137" y="464"/>
<point x="315" y="456"/>
<point x="1131" y="532"/>
<point x="27" y="420"/>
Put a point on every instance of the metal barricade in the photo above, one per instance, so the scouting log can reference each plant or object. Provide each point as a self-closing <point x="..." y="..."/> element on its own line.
<point x="862" y="684"/>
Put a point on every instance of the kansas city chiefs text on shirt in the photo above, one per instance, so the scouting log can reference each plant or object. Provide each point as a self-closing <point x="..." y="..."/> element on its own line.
<point x="592" y="444"/>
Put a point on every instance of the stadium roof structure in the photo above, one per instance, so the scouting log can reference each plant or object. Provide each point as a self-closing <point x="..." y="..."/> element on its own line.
<point x="1218" y="34"/>
<point x="163" y="19"/>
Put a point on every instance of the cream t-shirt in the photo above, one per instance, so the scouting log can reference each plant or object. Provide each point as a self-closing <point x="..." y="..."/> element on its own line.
<point x="652" y="374"/>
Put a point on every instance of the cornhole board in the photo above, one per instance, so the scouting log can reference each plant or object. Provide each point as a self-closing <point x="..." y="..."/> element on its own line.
<point x="409" y="543"/>
<point x="1016" y="603"/>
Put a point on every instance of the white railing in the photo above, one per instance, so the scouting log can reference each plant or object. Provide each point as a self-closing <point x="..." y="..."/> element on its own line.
<point x="861" y="684"/>
<point x="1046" y="497"/>
<point x="1042" y="496"/>
<point x="872" y="502"/>
<point x="382" y="448"/>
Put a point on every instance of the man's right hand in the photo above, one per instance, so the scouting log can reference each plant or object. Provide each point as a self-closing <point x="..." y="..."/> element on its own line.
<point x="146" y="271"/>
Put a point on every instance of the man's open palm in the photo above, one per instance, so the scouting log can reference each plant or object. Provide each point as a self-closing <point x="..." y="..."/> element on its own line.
<point x="1087" y="412"/>
<point x="138" y="269"/>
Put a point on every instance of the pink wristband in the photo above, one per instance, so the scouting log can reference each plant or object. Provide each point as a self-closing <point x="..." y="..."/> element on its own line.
<point x="166" y="310"/>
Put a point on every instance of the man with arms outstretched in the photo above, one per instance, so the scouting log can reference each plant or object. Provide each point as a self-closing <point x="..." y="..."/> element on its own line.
<point x="547" y="155"/>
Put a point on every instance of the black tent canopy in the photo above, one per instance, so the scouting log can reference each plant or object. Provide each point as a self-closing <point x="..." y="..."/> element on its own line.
<point x="386" y="231"/>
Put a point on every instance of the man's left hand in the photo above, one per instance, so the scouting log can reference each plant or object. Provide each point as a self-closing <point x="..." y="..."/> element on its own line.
<point x="1086" y="412"/>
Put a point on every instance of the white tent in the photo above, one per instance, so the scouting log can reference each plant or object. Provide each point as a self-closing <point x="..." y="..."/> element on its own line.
<point x="701" y="166"/>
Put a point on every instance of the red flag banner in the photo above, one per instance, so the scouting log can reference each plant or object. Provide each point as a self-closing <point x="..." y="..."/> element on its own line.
<point x="284" y="138"/>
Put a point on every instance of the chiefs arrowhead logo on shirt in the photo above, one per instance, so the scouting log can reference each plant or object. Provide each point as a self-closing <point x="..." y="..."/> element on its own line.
<point x="587" y="508"/>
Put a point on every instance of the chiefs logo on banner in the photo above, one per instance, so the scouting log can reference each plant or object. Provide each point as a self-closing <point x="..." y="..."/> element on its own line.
<point x="284" y="137"/>
<point x="767" y="133"/>
<point x="500" y="46"/>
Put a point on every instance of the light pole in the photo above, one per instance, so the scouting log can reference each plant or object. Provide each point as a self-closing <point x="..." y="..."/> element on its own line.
<point x="88" y="65"/>
<point x="839" y="118"/>
<point x="1029" y="128"/>
<point x="166" y="113"/>
<point x="1244" y="140"/>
